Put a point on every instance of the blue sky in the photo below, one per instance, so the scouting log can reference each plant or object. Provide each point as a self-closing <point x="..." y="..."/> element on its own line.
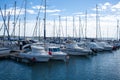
<point x="65" y="7"/>
<point x="109" y="12"/>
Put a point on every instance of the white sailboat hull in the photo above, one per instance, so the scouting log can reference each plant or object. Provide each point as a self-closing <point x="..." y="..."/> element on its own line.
<point x="36" y="57"/>
<point x="76" y="51"/>
<point x="4" y="51"/>
<point x="108" y="48"/>
<point x="59" y="57"/>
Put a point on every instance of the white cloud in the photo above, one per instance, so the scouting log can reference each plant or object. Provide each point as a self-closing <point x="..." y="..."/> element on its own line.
<point x="78" y="13"/>
<point x="18" y="11"/>
<point x="31" y="11"/>
<point x="53" y="11"/>
<point x="116" y="6"/>
<point x="38" y="7"/>
<point x="11" y="11"/>
<point x="48" y="10"/>
<point x="55" y="14"/>
<point x="108" y="17"/>
<point x="105" y="6"/>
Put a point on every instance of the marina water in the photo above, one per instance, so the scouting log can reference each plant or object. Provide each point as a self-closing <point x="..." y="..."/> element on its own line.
<point x="103" y="66"/>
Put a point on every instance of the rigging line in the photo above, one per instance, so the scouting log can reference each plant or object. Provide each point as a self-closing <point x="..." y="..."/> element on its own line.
<point x="37" y="18"/>
<point x="4" y="23"/>
<point x="18" y="17"/>
<point x="1" y="27"/>
<point x="19" y="13"/>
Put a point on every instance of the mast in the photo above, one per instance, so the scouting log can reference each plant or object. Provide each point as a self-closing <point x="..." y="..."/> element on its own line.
<point x="8" y="23"/>
<point x="86" y="24"/>
<point x="79" y="26"/>
<point x="118" y="34"/>
<point x="4" y="22"/>
<point x="59" y="28"/>
<point x="25" y="19"/>
<point x="45" y="21"/>
<point x="54" y="30"/>
<point x="14" y="19"/>
<point x="66" y="27"/>
<point x="19" y="30"/>
<point x="96" y="21"/>
<point x="73" y="27"/>
<point x="39" y="30"/>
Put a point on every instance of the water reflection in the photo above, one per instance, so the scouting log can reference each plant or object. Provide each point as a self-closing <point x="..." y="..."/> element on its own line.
<point x="58" y="70"/>
<point x="10" y="70"/>
<point x="103" y="66"/>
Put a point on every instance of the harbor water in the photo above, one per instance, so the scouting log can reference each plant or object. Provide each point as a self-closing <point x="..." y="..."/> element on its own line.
<point x="103" y="66"/>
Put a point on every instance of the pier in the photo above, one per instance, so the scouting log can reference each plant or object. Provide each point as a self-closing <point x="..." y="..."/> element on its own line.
<point x="14" y="56"/>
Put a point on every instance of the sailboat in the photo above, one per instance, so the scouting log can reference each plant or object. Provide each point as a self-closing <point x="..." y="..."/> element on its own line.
<point x="37" y="53"/>
<point x="56" y="53"/>
<point x="72" y="48"/>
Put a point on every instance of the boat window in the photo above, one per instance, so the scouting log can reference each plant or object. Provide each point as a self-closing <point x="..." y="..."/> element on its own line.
<point x="50" y="49"/>
<point x="56" y="49"/>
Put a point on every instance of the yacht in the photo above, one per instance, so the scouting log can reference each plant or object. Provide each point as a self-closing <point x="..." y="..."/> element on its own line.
<point x="106" y="46"/>
<point x="94" y="47"/>
<point x="57" y="54"/>
<point x="4" y="51"/>
<point x="37" y="54"/>
<point x="73" y="49"/>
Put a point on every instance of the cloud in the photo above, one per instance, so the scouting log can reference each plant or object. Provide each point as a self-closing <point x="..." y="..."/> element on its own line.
<point x="116" y="6"/>
<point x="38" y="7"/>
<point x="109" y="7"/>
<point x="18" y="11"/>
<point x="79" y="14"/>
<point x="47" y="10"/>
<point x="30" y="11"/>
<point x="53" y="11"/>
<point x="108" y="13"/>
<point x="55" y="14"/>
<point x="11" y="11"/>
<point x="103" y="7"/>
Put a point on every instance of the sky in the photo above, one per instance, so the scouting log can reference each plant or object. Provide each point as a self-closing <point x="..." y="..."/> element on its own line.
<point x="70" y="14"/>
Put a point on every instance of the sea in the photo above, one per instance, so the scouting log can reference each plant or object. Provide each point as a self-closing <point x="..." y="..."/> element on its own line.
<point x="102" y="66"/>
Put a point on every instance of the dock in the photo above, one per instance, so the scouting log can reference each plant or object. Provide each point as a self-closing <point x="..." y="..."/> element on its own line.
<point x="15" y="56"/>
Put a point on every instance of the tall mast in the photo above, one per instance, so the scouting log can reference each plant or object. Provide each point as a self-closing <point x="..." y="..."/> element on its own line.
<point x="14" y="19"/>
<point x="19" y="30"/>
<point x="54" y="30"/>
<point x="73" y="27"/>
<point x="45" y="21"/>
<point x="8" y="23"/>
<point x="86" y="24"/>
<point x="59" y="28"/>
<point x="4" y="21"/>
<point x="39" y="30"/>
<point x="79" y="27"/>
<point x="66" y="27"/>
<point x="118" y="35"/>
<point x="96" y="21"/>
<point x="25" y="19"/>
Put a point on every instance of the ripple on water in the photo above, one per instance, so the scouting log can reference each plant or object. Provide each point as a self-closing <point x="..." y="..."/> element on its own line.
<point x="104" y="66"/>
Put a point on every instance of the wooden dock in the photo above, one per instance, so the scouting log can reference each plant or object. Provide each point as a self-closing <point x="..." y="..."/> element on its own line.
<point x="15" y="56"/>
